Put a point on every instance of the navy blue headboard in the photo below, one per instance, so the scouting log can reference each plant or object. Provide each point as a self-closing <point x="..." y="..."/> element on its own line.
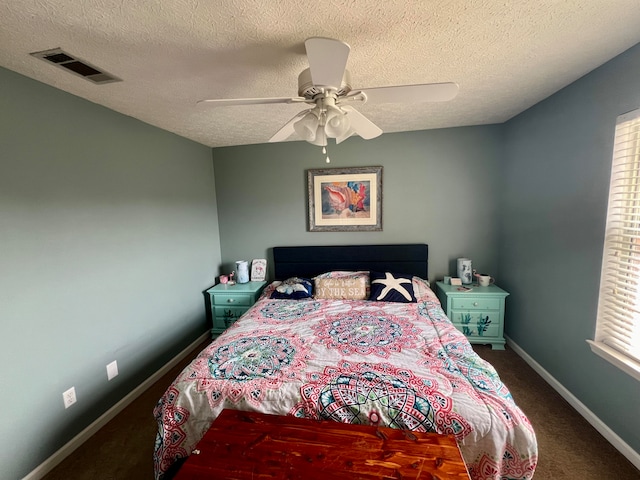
<point x="410" y="259"/>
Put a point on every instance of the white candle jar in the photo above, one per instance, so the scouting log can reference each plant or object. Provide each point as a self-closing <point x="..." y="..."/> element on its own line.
<point x="242" y="271"/>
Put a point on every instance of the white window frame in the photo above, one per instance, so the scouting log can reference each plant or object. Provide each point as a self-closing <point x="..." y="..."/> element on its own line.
<point x="617" y="336"/>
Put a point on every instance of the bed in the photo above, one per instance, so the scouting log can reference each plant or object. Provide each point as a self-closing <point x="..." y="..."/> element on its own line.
<point x="338" y="353"/>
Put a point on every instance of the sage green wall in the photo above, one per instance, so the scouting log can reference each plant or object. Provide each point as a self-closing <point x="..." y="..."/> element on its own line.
<point x="439" y="187"/>
<point x="108" y="236"/>
<point x="556" y="177"/>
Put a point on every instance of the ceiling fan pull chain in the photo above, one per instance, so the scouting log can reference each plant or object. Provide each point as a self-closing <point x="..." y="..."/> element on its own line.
<point x="324" y="151"/>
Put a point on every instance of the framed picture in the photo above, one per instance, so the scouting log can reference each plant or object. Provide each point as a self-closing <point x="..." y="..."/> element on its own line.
<point x="345" y="199"/>
<point x="258" y="269"/>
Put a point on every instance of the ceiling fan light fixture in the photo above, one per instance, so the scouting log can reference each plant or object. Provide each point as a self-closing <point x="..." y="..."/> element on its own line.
<point x="337" y="123"/>
<point x="320" y="137"/>
<point x="307" y="126"/>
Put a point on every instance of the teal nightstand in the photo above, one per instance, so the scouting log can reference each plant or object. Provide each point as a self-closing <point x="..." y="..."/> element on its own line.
<point x="478" y="313"/>
<point x="229" y="302"/>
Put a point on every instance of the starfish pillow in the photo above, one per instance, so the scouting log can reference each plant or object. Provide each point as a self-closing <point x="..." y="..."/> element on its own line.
<point x="391" y="287"/>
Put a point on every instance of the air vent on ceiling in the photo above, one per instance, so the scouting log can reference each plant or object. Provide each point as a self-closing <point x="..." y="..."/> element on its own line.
<point x="75" y="65"/>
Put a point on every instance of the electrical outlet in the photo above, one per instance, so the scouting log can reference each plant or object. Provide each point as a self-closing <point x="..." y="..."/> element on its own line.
<point x="69" y="397"/>
<point x="112" y="370"/>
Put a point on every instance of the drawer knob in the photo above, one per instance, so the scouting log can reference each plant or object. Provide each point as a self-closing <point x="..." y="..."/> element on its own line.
<point x="475" y="304"/>
<point x="230" y="300"/>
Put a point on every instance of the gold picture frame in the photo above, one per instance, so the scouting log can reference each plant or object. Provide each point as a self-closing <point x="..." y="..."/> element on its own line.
<point x="345" y="199"/>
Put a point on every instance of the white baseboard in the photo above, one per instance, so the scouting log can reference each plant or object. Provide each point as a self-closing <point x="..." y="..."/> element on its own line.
<point x="45" y="467"/>
<point x="581" y="408"/>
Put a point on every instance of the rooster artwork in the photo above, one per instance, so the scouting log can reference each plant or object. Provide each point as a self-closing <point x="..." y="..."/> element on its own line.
<point x="345" y="199"/>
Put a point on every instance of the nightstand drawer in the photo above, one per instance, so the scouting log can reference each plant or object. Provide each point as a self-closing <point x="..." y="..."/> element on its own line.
<point x="475" y="331"/>
<point x="474" y="323"/>
<point x="476" y="303"/>
<point x="225" y="316"/>
<point x="232" y="299"/>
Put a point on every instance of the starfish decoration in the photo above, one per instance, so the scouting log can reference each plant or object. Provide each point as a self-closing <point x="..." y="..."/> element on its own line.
<point x="391" y="283"/>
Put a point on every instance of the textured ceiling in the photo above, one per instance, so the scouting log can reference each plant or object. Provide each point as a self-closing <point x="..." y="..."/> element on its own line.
<point x="506" y="55"/>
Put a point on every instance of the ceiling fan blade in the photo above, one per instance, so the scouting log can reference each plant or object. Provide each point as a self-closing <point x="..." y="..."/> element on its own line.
<point x="426" y="92"/>
<point x="361" y="125"/>
<point x="227" y="102"/>
<point x="287" y="130"/>
<point x="327" y="60"/>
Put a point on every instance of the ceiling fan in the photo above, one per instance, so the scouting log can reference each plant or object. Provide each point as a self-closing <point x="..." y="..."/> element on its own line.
<point x="326" y="85"/>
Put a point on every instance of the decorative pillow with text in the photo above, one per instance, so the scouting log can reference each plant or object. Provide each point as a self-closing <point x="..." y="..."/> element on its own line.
<point x="346" y="288"/>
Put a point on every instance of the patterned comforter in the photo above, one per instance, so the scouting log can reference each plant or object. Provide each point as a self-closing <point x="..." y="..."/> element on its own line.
<point x="402" y="365"/>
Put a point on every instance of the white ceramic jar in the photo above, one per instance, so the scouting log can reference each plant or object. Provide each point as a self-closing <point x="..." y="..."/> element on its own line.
<point x="242" y="271"/>
<point x="464" y="270"/>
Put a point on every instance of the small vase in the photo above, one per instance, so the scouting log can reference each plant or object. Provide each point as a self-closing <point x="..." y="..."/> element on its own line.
<point x="464" y="270"/>
<point x="242" y="271"/>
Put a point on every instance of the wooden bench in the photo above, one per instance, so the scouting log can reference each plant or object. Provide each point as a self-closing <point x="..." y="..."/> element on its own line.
<point x="249" y="445"/>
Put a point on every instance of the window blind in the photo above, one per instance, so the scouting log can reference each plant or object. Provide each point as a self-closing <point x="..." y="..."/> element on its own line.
<point x="618" y="319"/>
